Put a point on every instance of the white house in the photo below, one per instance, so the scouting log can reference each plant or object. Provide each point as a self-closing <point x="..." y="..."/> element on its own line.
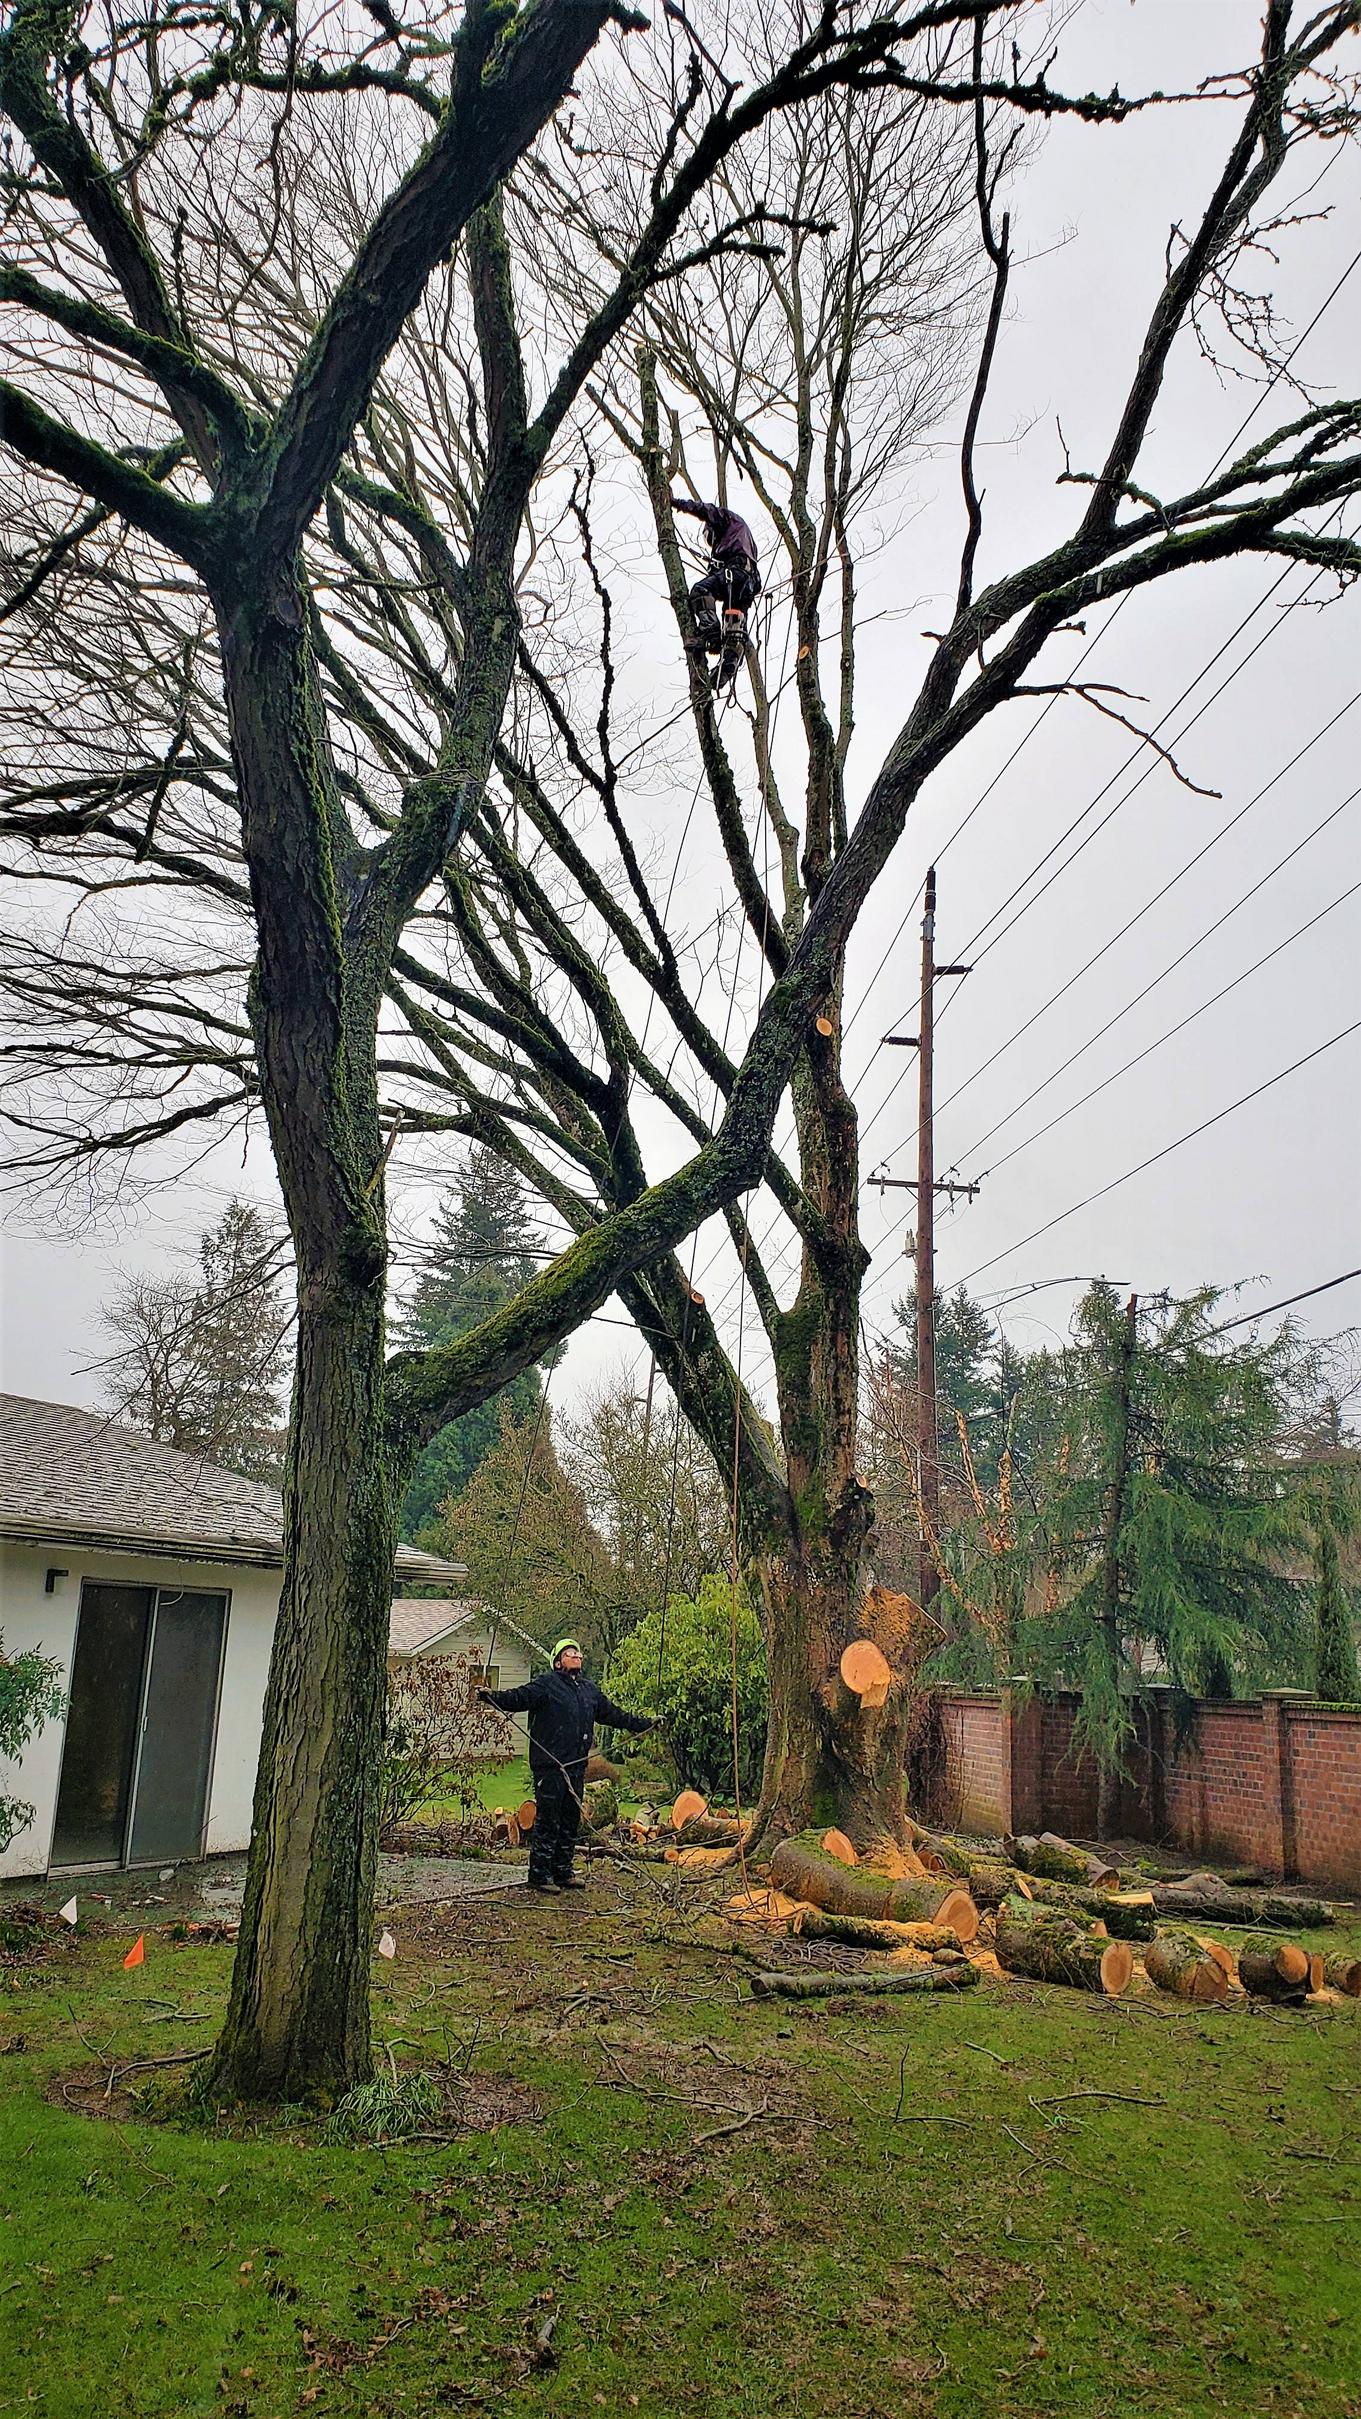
<point x="449" y="1625"/>
<point x="152" y="1580"/>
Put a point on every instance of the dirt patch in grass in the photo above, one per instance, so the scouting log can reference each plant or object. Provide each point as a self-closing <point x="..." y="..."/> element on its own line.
<point x="92" y="2091"/>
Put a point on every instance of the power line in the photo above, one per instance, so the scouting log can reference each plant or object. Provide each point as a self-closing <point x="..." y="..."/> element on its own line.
<point x="1174" y="1030"/>
<point x="1329" y="299"/>
<point x="1165" y="1152"/>
<point x="1180" y="960"/>
<point x="1112" y="811"/>
<point x="1250" y="1317"/>
<point x="1171" y="884"/>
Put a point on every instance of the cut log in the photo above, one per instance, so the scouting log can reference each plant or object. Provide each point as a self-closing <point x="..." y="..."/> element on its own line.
<point x="1205" y="1895"/>
<point x="1127" y="1915"/>
<point x="1047" y="1946"/>
<point x="1179" y="1963"/>
<point x="863" y="1932"/>
<point x="1224" y="1957"/>
<point x="866" y="1671"/>
<point x="989" y="1880"/>
<point x="835" y="1843"/>
<point x="1278" y="1970"/>
<point x="1343" y="1974"/>
<point x="710" y="1831"/>
<point x="687" y="1806"/>
<point x="786" y="1985"/>
<point x="524" y="1815"/>
<point x="1055" y="1859"/>
<point x="800" y="1867"/>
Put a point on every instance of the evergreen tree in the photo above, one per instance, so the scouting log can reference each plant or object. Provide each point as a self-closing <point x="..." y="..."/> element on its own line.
<point x="1175" y="1525"/>
<point x="484" y="1249"/>
<point x="1335" y="1674"/>
<point x="524" y="1531"/>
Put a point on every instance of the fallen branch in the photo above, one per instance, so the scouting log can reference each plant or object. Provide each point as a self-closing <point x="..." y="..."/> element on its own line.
<point x="831" y="1986"/>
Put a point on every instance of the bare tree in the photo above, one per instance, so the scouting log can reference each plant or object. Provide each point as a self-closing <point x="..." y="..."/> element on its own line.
<point x="653" y="1489"/>
<point x="200" y="1362"/>
<point x="260" y="675"/>
<point x="784" y="363"/>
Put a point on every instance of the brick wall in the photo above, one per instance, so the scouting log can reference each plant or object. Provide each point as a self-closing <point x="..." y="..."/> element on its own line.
<point x="1222" y="1786"/>
<point x="1274" y="1783"/>
<point x="977" y="1763"/>
<point x="1326" y="1767"/>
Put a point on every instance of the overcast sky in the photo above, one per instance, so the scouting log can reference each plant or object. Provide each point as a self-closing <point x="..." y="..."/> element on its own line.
<point x="1268" y="1195"/>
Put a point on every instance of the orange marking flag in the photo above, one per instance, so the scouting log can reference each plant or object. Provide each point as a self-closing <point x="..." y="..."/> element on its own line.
<point x="137" y="1953"/>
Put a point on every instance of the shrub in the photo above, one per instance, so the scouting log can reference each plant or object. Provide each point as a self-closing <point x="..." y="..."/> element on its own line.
<point x="438" y="1734"/>
<point x="29" y="1698"/>
<point x="682" y="1675"/>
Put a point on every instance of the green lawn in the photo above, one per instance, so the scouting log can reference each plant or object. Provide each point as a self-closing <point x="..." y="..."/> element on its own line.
<point x="497" y="1785"/>
<point x="934" y="2209"/>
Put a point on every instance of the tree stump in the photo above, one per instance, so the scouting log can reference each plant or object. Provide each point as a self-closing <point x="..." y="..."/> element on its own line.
<point x="1050" y="1947"/>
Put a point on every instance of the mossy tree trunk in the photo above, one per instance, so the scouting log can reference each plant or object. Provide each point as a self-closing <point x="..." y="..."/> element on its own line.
<point x="298" y="2020"/>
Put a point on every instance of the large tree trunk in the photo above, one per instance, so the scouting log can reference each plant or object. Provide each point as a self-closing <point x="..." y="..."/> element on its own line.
<point x="298" y="2019"/>
<point x="832" y="1759"/>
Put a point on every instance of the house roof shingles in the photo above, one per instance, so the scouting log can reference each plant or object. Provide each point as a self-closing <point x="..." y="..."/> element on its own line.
<point x="417" y="1621"/>
<point x="75" y="1477"/>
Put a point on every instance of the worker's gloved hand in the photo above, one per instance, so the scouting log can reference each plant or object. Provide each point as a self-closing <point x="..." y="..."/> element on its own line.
<point x="483" y="1695"/>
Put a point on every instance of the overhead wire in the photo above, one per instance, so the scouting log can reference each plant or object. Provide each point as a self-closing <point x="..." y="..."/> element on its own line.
<point x="1179" y="1027"/>
<point x="1250" y="1317"/>
<point x="1168" y="1148"/>
<point x="1180" y="960"/>
<point x="943" y="848"/>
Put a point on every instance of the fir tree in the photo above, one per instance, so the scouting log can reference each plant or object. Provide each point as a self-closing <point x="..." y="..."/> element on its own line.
<point x="484" y="1249"/>
<point x="1335" y="1675"/>
<point x="1177" y="1526"/>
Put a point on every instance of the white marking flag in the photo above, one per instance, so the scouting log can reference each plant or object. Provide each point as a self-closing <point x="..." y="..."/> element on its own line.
<point x="387" y="1946"/>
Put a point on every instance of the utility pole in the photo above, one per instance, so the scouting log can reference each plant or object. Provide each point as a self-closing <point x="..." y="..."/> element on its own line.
<point x="926" y="1187"/>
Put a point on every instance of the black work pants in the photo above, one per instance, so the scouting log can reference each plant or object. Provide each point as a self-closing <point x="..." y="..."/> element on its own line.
<point x="557" y="1812"/>
<point x="736" y="583"/>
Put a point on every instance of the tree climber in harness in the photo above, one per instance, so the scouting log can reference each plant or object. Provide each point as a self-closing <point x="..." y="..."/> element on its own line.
<point x="731" y="584"/>
<point x="563" y="1707"/>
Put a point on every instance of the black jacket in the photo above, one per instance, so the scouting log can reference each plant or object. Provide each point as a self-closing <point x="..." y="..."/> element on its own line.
<point x="729" y="537"/>
<point x="563" y="1709"/>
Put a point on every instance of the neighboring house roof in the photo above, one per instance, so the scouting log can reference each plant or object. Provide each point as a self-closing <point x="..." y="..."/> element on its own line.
<point x="74" y="1478"/>
<point x="422" y="1622"/>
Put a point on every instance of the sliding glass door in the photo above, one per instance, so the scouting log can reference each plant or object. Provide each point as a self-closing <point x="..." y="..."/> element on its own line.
<point x="140" y="1726"/>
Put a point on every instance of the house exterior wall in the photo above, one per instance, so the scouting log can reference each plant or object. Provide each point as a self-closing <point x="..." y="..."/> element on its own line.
<point x="1273" y="1782"/>
<point x="31" y="1618"/>
<point x="510" y="1658"/>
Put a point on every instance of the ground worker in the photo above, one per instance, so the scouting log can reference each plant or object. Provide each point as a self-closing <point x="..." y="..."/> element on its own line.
<point x="563" y="1707"/>
<point x="732" y="581"/>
